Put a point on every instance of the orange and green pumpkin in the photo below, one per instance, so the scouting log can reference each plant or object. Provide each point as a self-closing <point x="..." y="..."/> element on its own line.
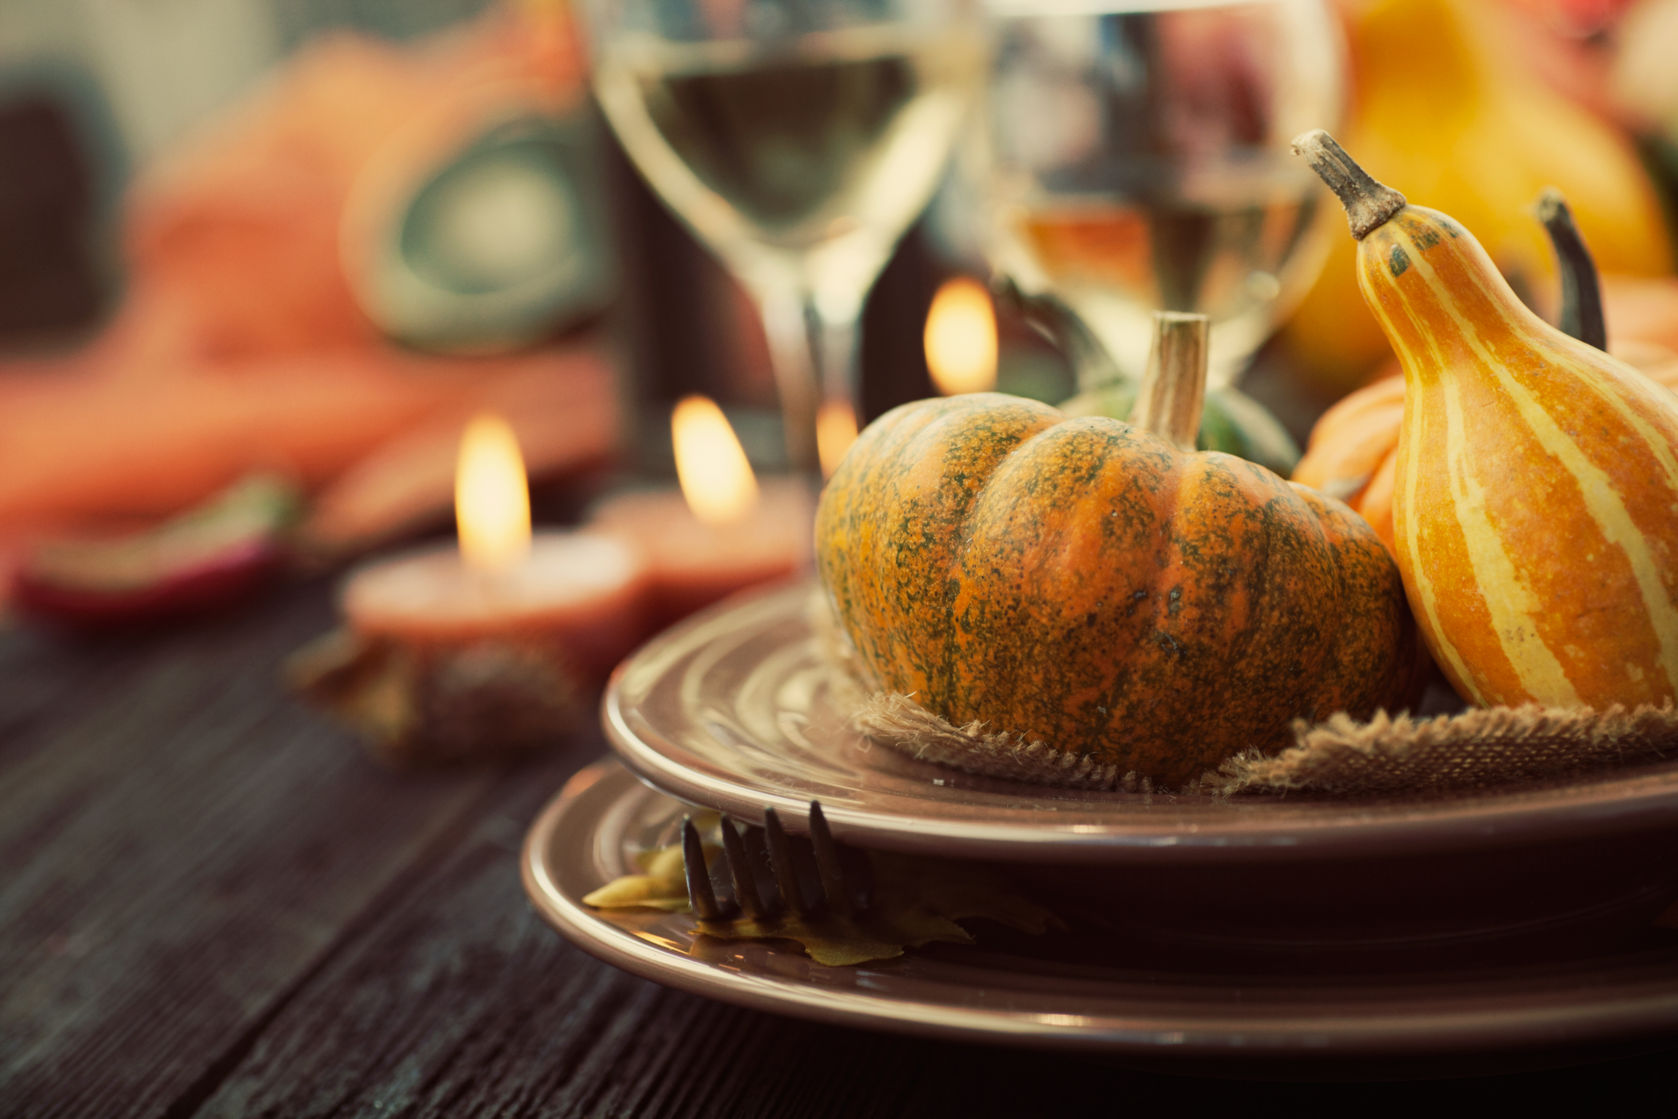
<point x="1102" y="587"/>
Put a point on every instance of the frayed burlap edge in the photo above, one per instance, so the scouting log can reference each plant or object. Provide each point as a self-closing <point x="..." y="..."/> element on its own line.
<point x="901" y="723"/>
<point x="1387" y="756"/>
<point x="1384" y="757"/>
<point x="1480" y="748"/>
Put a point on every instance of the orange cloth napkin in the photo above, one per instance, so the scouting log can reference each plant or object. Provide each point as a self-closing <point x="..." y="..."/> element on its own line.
<point x="239" y="346"/>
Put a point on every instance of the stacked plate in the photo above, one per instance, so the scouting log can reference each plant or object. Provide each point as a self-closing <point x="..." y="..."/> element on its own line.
<point x="1255" y="927"/>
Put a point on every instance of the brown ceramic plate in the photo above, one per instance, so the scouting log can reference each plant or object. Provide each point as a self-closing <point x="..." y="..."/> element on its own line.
<point x="737" y="709"/>
<point x="1113" y="992"/>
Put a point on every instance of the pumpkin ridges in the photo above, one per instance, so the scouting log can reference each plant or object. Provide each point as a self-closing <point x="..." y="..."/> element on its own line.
<point x="928" y="465"/>
<point x="1366" y="653"/>
<point x="1103" y="592"/>
<point x="1241" y="545"/>
<point x="1030" y="528"/>
<point x="1271" y="664"/>
<point x="1210" y="612"/>
<point x="843" y="528"/>
<point x="1263" y="652"/>
<point x="970" y="456"/>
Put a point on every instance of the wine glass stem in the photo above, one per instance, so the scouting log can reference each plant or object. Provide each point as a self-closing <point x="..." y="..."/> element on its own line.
<point x="813" y="349"/>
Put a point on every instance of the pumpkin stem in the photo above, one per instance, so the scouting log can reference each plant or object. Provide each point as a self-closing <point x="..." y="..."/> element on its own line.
<point x="1174" y="386"/>
<point x="1581" y="289"/>
<point x="1368" y="204"/>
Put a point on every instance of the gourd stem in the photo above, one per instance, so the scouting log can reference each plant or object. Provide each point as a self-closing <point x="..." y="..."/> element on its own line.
<point x="1174" y="385"/>
<point x="1369" y="204"/>
<point x="1581" y="289"/>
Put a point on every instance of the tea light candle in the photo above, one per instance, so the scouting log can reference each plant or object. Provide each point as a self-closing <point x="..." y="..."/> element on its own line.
<point x="583" y="593"/>
<point x="722" y="531"/>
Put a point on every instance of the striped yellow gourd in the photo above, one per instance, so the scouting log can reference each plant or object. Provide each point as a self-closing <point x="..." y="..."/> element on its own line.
<point x="1536" y="496"/>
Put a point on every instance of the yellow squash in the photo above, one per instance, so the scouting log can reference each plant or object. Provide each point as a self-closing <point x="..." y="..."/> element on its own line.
<point x="1536" y="492"/>
<point x="1439" y="112"/>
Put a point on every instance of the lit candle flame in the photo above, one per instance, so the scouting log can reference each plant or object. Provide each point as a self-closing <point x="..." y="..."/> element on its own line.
<point x="491" y="496"/>
<point x="835" y="432"/>
<point x="711" y="465"/>
<point x="961" y="338"/>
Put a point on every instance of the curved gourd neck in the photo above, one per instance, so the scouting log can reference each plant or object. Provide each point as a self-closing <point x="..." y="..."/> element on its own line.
<point x="1434" y="289"/>
<point x="1438" y="296"/>
<point x="1458" y="295"/>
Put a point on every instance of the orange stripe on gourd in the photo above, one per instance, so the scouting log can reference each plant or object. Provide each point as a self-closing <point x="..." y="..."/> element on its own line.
<point x="1458" y="627"/>
<point x="1565" y="613"/>
<point x="1543" y="616"/>
<point x="1537" y="496"/>
<point x="1525" y="404"/>
<point x="1352" y="451"/>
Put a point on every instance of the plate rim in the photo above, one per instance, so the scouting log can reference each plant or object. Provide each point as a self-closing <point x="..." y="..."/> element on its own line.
<point x="1278" y="1036"/>
<point x="1614" y="803"/>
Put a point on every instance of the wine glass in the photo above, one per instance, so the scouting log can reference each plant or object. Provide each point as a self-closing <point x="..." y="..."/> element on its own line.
<point x="798" y="140"/>
<point x="1135" y="158"/>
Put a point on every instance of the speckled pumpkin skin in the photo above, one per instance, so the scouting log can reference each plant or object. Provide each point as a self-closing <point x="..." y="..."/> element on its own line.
<point x="1085" y="583"/>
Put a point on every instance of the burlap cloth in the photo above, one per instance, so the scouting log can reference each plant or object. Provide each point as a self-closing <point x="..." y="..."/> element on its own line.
<point x="1388" y="756"/>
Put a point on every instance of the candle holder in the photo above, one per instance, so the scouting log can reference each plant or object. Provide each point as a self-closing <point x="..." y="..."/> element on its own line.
<point x="491" y="647"/>
<point x="419" y="704"/>
<point x="722" y="531"/>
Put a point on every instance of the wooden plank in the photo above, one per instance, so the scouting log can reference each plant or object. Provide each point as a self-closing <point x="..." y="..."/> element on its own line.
<point x="46" y="674"/>
<point x="180" y="845"/>
<point x="459" y="1001"/>
<point x="210" y="904"/>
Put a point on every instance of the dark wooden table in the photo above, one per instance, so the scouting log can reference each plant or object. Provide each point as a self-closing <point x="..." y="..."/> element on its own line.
<point x="212" y="903"/>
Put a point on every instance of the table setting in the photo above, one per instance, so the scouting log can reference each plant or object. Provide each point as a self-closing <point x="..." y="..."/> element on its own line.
<point x="879" y="557"/>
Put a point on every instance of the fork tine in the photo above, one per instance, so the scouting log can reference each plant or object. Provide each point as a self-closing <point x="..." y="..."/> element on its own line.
<point x="700" y="895"/>
<point x="827" y="863"/>
<point x="740" y="870"/>
<point x="781" y="862"/>
<point x="763" y="872"/>
<point x="768" y="870"/>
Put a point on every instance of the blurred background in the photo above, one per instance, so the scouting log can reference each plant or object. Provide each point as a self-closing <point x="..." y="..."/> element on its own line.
<point x="306" y="240"/>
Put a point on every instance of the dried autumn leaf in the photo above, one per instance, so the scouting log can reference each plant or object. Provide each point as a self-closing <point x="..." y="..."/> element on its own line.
<point x="916" y="901"/>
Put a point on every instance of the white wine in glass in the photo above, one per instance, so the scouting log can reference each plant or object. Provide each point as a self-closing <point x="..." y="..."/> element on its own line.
<point x="799" y="154"/>
<point x="1138" y="160"/>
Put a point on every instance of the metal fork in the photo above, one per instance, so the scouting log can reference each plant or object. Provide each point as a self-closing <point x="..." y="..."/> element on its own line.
<point x="764" y="872"/>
